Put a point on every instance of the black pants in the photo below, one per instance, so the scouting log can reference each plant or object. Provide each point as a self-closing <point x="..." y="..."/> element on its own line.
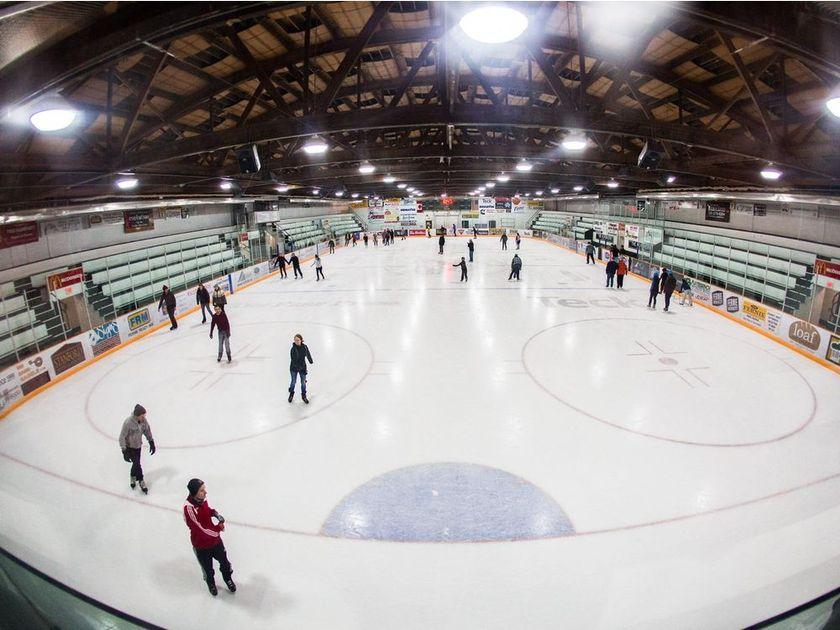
<point x="441" y="250"/>
<point x="319" y="273"/>
<point x="206" y="305"/>
<point x="514" y="274"/>
<point x="471" y="255"/>
<point x="590" y="257"/>
<point x="297" y="271"/>
<point x="332" y="249"/>
<point x="283" y="273"/>
<point x="667" y="300"/>
<point x="171" y="313"/>
<point x="652" y="298"/>
<point x="205" y="559"/>
<point x="621" y="281"/>
<point x="463" y="275"/>
<point x="504" y="244"/>
<point x="136" y="468"/>
<point x="610" y="277"/>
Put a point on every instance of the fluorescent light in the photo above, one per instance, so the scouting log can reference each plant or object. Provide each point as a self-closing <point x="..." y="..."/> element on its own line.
<point x="53" y="119"/>
<point x="282" y="188"/>
<point x="524" y="166"/>
<point x="225" y="185"/>
<point x="527" y="194"/>
<point x="771" y="172"/>
<point x="389" y="179"/>
<point x="443" y="195"/>
<point x="339" y="193"/>
<point x="578" y="188"/>
<point x="494" y="24"/>
<point x="411" y="189"/>
<point x="366" y="168"/>
<point x="539" y="193"/>
<point x="671" y="179"/>
<point x="554" y="191"/>
<point x="490" y="184"/>
<point x="612" y="184"/>
<point x="833" y="105"/>
<point x="401" y="185"/>
<point x="315" y="145"/>
<point x="502" y="177"/>
<point x="316" y="191"/>
<point x="127" y="183"/>
<point x="574" y="142"/>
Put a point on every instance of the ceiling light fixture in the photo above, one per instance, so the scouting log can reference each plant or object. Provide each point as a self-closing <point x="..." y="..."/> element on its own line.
<point x="502" y="177"/>
<point x="316" y="191"/>
<point x="490" y="184"/>
<point x="554" y="191"/>
<point x="833" y="105"/>
<point x="612" y="184"/>
<point x="281" y="188"/>
<point x="578" y="188"/>
<point x="354" y="195"/>
<point x="671" y="179"/>
<point x="127" y="183"/>
<point x="53" y="119"/>
<point x="539" y="193"/>
<point x="574" y="142"/>
<point x="315" y="145"/>
<point x="339" y="193"/>
<point x="401" y="185"/>
<point x="225" y="184"/>
<point x="771" y="172"/>
<point x="494" y="24"/>
<point x="524" y="166"/>
<point x="366" y="168"/>
<point x="389" y="179"/>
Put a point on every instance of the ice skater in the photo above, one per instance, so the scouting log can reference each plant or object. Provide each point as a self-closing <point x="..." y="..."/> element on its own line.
<point x="365" y="239"/>
<point x="202" y="298"/>
<point x="620" y="272"/>
<point x="590" y="253"/>
<point x="515" y="267"/>
<point x="441" y="243"/>
<point x="471" y="248"/>
<point x="504" y="241"/>
<point x="685" y="292"/>
<point x="221" y="322"/>
<point x="612" y="267"/>
<point x="453" y="229"/>
<point x="463" y="266"/>
<point x="299" y="356"/>
<point x="319" y="268"/>
<point x="668" y="288"/>
<point x="518" y="240"/>
<point x="654" y="289"/>
<point x="375" y="240"/>
<point x="295" y="261"/>
<point x="206" y="536"/>
<point x="332" y="246"/>
<point x="475" y="232"/>
<point x="219" y="298"/>
<point x="168" y="298"/>
<point x="131" y="442"/>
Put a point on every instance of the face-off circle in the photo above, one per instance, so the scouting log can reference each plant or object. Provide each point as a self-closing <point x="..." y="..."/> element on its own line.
<point x="188" y="395"/>
<point x="670" y="381"/>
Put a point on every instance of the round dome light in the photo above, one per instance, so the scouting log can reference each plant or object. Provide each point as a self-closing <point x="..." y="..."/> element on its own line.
<point x="53" y="119"/>
<point x="494" y="24"/>
<point x="771" y="172"/>
<point x="366" y="168"/>
<point x="524" y="166"/>
<point x="574" y="142"/>
<point x="389" y="179"/>
<point x="833" y="105"/>
<point x="502" y="177"/>
<point x="315" y="145"/>
<point x="612" y="184"/>
<point x="578" y="188"/>
<point x="127" y="183"/>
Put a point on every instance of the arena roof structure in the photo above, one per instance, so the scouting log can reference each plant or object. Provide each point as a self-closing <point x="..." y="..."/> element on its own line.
<point x="167" y="93"/>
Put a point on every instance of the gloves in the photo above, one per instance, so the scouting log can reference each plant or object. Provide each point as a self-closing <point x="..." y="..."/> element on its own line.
<point x="152" y="447"/>
<point x="220" y="518"/>
<point x="126" y="456"/>
<point x="211" y="335"/>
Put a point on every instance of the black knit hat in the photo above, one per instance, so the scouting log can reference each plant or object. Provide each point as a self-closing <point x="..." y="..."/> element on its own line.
<point x="194" y="486"/>
<point x="139" y="410"/>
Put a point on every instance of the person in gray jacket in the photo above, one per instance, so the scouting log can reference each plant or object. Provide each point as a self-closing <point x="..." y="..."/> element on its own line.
<point x="131" y="441"/>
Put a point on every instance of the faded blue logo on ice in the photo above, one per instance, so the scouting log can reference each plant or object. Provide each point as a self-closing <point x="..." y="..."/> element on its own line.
<point x="447" y="502"/>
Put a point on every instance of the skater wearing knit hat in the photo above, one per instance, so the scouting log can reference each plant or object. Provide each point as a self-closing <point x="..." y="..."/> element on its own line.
<point x="205" y="536"/>
<point x="131" y="440"/>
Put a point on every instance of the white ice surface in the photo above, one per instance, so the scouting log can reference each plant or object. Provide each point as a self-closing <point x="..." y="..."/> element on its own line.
<point x="703" y="497"/>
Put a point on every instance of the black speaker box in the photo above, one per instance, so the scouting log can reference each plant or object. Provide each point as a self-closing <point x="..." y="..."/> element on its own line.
<point x="651" y="157"/>
<point x="249" y="160"/>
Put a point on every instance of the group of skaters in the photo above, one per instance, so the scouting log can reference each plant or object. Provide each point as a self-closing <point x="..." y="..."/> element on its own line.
<point x="515" y="264"/>
<point x="387" y="237"/>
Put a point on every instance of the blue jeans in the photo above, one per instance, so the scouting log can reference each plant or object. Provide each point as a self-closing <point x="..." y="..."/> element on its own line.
<point x="294" y="380"/>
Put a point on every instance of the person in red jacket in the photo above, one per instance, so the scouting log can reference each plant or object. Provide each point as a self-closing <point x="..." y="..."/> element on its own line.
<point x="621" y="272"/>
<point x="206" y="537"/>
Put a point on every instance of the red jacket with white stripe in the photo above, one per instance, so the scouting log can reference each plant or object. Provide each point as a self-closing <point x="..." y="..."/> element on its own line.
<point x="203" y="533"/>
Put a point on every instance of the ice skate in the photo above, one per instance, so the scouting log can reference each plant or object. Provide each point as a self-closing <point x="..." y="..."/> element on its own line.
<point x="304" y="398"/>
<point x="133" y="483"/>
<point x="291" y="396"/>
<point x="230" y="584"/>
<point x="211" y="586"/>
<point x="143" y="487"/>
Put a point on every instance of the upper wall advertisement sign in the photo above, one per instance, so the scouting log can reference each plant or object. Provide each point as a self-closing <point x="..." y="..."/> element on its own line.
<point x="138" y="220"/>
<point x="18" y="234"/>
<point x="717" y="211"/>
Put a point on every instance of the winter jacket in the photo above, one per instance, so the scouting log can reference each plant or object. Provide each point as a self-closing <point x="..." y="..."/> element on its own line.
<point x="685" y="286"/>
<point x="654" y="282"/>
<point x="670" y="284"/>
<point x="219" y="298"/>
<point x="612" y="266"/>
<point x="622" y="268"/>
<point x="131" y="435"/>
<point x="516" y="263"/>
<point x="590" y="249"/>
<point x="299" y="355"/>
<point x="462" y="265"/>
<point x="441" y="240"/>
<point x="202" y="296"/>
<point x="504" y="238"/>
<point x="295" y="261"/>
<point x="220" y="321"/>
<point x="317" y="263"/>
<point x="470" y="246"/>
<point x="281" y="262"/>
<point x="167" y="298"/>
<point x="662" y="279"/>
<point x="203" y="533"/>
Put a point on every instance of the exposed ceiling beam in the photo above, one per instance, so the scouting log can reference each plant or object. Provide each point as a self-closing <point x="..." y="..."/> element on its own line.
<point x="142" y="93"/>
<point x="248" y="59"/>
<point x="409" y="77"/>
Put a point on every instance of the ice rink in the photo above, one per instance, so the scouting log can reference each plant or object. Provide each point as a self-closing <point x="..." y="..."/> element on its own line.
<point x="547" y="453"/>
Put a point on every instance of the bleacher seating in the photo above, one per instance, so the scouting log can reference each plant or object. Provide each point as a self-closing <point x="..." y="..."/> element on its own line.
<point x="303" y="232"/>
<point x="20" y="324"/>
<point x="553" y="222"/>
<point x="345" y="224"/>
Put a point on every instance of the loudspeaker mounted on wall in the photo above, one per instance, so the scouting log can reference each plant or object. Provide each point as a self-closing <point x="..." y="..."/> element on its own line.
<point x="651" y="157"/>
<point x="249" y="160"/>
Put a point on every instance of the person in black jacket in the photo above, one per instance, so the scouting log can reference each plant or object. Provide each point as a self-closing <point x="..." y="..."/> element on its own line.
<point x="296" y="265"/>
<point x="299" y="355"/>
<point x="654" y="289"/>
<point x="504" y="240"/>
<point x="471" y="247"/>
<point x="168" y="298"/>
<point x="515" y="267"/>
<point x="202" y="298"/>
<point x="668" y="288"/>
<point x="281" y="262"/>
<point x="612" y="267"/>
<point x="441" y="242"/>
<point x="463" y="266"/>
<point x="332" y="246"/>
